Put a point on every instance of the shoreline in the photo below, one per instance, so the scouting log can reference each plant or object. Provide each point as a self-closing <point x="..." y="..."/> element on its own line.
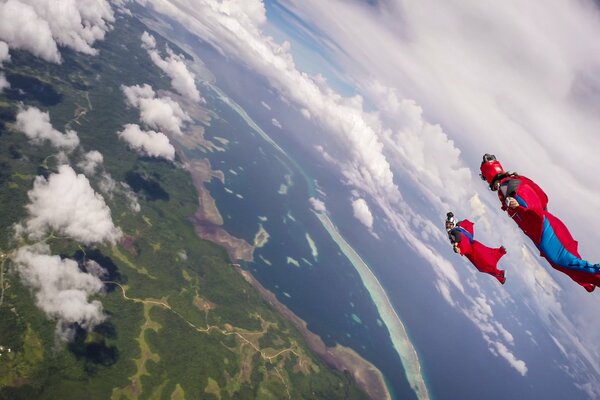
<point x="343" y="359"/>
<point x="208" y="222"/>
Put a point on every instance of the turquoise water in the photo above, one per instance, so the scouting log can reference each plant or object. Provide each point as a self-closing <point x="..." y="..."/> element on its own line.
<point x="300" y="263"/>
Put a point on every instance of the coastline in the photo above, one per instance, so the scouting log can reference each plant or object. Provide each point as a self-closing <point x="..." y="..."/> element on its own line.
<point x="207" y="223"/>
<point x="341" y="358"/>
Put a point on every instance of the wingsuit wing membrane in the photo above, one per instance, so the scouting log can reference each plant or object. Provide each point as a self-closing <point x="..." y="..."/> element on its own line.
<point x="484" y="258"/>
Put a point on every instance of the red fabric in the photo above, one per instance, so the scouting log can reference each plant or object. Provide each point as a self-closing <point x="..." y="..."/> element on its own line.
<point x="530" y="219"/>
<point x="531" y="222"/>
<point x="484" y="258"/>
<point x="542" y="196"/>
<point x="467" y="226"/>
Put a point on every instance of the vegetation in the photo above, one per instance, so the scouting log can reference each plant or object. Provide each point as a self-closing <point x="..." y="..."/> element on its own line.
<point x="178" y="327"/>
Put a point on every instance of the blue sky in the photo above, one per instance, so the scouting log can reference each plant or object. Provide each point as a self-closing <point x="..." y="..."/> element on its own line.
<point x="309" y="52"/>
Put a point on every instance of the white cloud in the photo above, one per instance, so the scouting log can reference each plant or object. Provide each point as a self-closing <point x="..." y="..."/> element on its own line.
<point x="76" y="24"/>
<point x="39" y="26"/>
<point x="160" y="113"/>
<point x="148" y="41"/>
<point x="514" y="362"/>
<point x="95" y="269"/>
<point x="66" y="204"/>
<point x="150" y="143"/>
<point x="110" y="187"/>
<point x="22" y="28"/>
<point x="317" y="205"/>
<point x="276" y="123"/>
<point x="3" y="82"/>
<point x="362" y="212"/>
<point x="36" y="125"/>
<point x="477" y="207"/>
<point x="4" y="54"/>
<point x="134" y="94"/>
<point x="107" y="185"/>
<point x="131" y="197"/>
<point x="265" y="105"/>
<point x="182" y="80"/>
<point x="91" y="160"/>
<point x="61" y="290"/>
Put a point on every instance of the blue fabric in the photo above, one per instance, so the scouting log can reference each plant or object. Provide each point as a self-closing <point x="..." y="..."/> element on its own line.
<point x="521" y="202"/>
<point x="465" y="232"/>
<point x="554" y="250"/>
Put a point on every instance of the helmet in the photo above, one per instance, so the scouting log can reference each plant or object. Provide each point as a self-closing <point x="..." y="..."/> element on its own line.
<point x="450" y="221"/>
<point x="490" y="168"/>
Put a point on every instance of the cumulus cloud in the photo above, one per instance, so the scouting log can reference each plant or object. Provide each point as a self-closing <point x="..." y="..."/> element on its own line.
<point x="23" y="28"/>
<point x="3" y="82"/>
<point x="131" y="197"/>
<point x="110" y="188"/>
<point x="39" y="26"/>
<point x="66" y="204"/>
<point x="477" y="207"/>
<point x="148" y="41"/>
<point x="91" y="160"/>
<point x="95" y="269"/>
<point x="150" y="143"/>
<point x="36" y="125"/>
<point x="76" y="23"/>
<point x="160" y="113"/>
<point x="362" y="212"/>
<point x="4" y="54"/>
<point x="276" y="123"/>
<point x="514" y="362"/>
<point x="61" y="290"/>
<point x="317" y="205"/>
<point x="134" y="94"/>
<point x="182" y="80"/>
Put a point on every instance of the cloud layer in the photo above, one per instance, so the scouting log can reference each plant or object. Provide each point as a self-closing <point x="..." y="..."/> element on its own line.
<point x="66" y="204"/>
<point x="40" y="26"/>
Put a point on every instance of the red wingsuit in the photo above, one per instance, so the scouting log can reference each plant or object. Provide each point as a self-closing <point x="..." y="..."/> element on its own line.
<point x="484" y="258"/>
<point x="530" y="216"/>
<point x="547" y="232"/>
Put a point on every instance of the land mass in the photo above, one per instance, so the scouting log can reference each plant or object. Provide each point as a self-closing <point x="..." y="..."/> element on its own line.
<point x="181" y="321"/>
<point x="207" y="221"/>
<point x="344" y="359"/>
